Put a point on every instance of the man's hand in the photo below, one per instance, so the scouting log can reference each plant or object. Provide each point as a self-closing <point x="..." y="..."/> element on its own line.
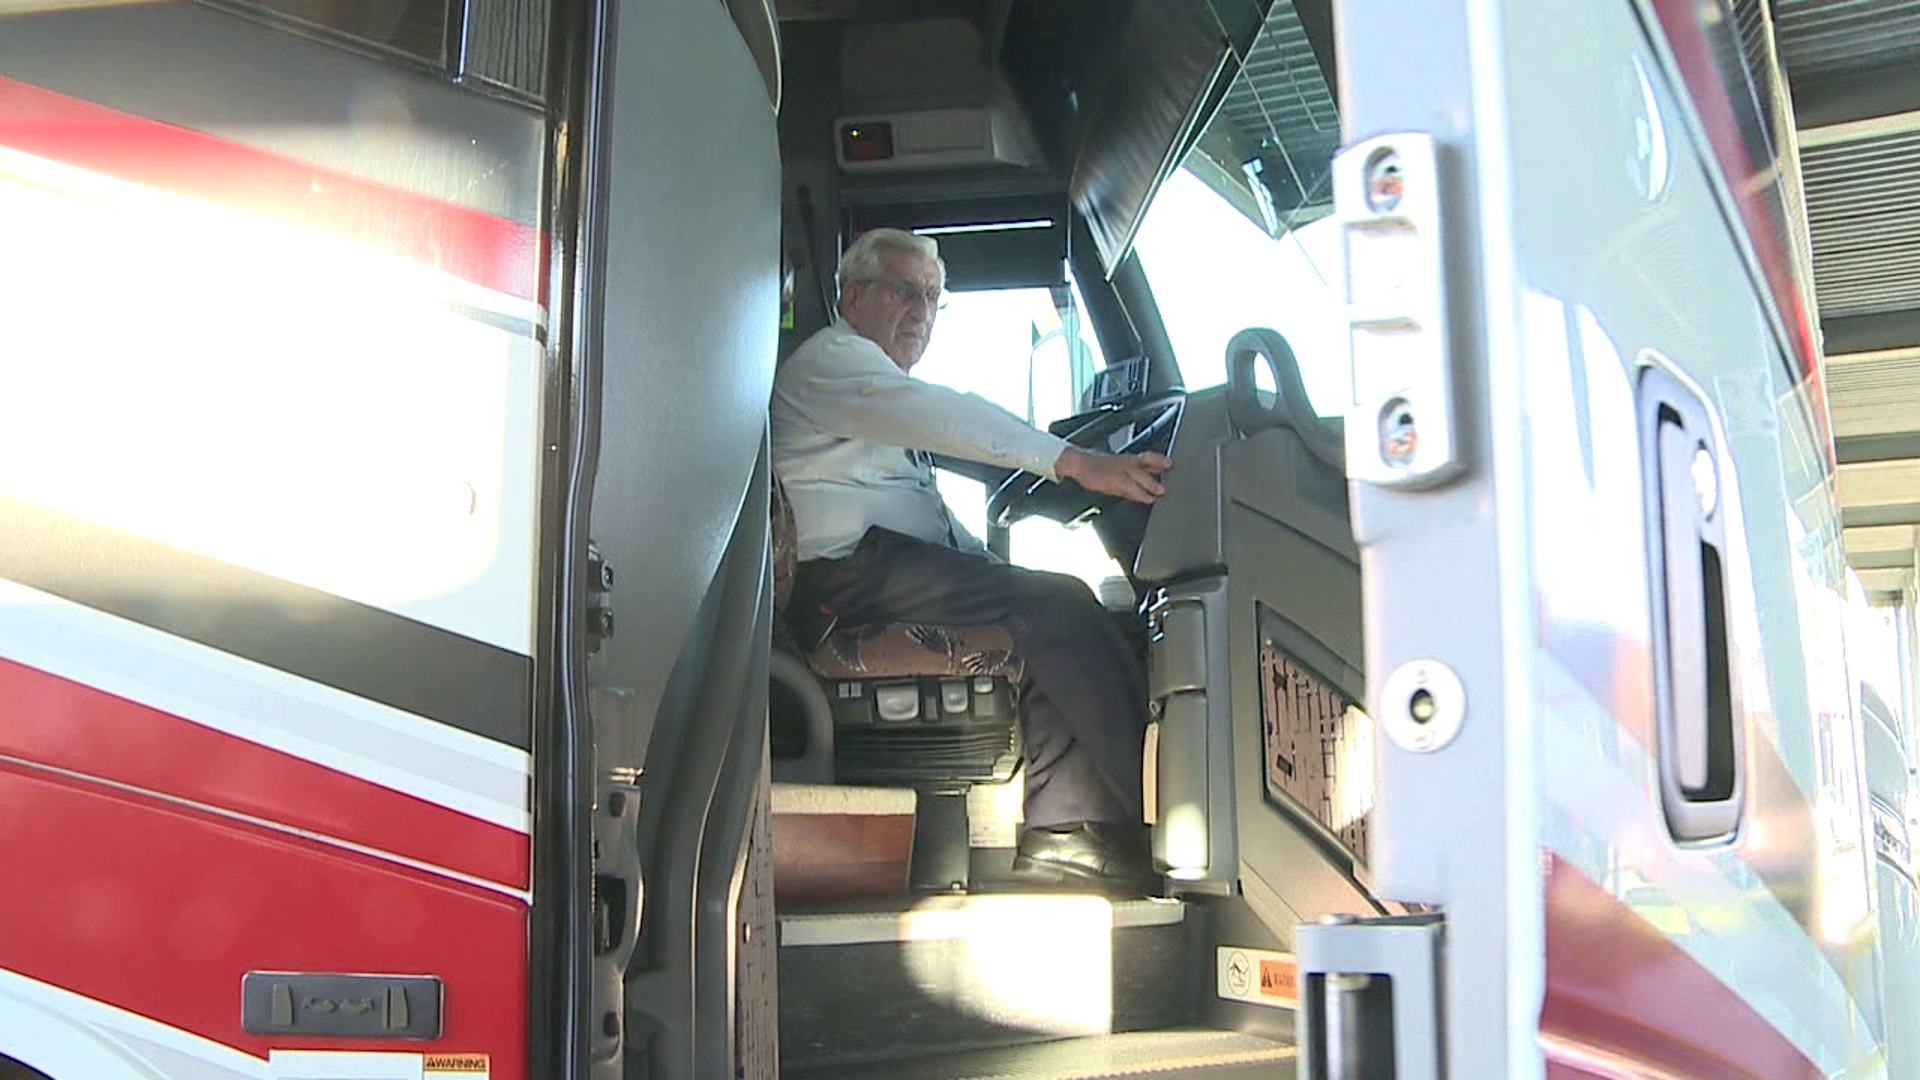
<point x="1135" y="477"/>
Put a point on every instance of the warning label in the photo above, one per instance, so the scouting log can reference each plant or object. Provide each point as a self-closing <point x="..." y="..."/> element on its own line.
<point x="1257" y="976"/>
<point x="1280" y="981"/>
<point x="455" y="1067"/>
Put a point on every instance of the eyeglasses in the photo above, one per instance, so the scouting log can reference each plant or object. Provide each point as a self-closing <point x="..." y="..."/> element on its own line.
<point x="906" y="292"/>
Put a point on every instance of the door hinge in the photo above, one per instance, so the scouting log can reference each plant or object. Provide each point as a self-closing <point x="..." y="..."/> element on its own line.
<point x="599" y="598"/>
<point x="1370" y="998"/>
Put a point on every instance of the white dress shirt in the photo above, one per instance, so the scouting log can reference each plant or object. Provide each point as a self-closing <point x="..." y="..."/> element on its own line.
<point x="852" y="439"/>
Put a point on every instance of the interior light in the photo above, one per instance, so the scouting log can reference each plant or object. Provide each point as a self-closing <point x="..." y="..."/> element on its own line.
<point x="985" y="226"/>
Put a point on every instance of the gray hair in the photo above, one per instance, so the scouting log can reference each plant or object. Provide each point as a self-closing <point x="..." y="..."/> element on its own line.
<point x="862" y="262"/>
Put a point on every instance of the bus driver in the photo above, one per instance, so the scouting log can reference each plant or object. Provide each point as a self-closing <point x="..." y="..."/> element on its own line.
<point x="852" y="437"/>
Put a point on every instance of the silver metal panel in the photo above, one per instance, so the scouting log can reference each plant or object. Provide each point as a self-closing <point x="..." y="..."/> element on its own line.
<point x="1338" y="959"/>
<point x="684" y="325"/>
<point x="1436" y="585"/>
<point x="691" y="326"/>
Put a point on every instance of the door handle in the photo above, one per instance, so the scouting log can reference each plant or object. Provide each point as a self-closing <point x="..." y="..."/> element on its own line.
<point x="1698" y="731"/>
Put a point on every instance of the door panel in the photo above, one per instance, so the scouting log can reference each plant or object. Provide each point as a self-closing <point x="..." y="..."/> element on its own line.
<point x="1596" y="269"/>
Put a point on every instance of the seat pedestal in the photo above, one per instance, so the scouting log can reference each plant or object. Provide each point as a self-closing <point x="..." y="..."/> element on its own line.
<point x="940" y="850"/>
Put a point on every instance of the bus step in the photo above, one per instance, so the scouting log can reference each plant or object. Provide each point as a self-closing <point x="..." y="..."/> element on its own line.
<point x="1217" y="1055"/>
<point x="947" y="974"/>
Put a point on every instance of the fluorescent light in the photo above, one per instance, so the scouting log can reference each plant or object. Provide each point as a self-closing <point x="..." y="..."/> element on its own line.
<point x="990" y="226"/>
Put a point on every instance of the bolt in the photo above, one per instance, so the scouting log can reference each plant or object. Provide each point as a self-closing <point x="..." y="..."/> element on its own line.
<point x="1421" y="706"/>
<point x="1386" y="182"/>
<point x="1399" y="434"/>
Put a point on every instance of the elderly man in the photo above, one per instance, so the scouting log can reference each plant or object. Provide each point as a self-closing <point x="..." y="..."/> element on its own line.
<point x="852" y="438"/>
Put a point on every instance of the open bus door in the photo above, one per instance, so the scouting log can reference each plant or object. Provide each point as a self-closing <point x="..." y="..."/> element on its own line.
<point x="1592" y="485"/>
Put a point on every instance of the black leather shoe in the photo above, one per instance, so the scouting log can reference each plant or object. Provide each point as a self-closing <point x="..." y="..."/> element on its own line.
<point x="1105" y="856"/>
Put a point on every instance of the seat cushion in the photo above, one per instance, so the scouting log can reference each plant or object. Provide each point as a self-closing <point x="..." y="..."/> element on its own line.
<point x="786" y="545"/>
<point x="897" y="648"/>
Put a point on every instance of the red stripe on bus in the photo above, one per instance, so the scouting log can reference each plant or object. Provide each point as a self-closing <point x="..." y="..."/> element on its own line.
<point x="1749" y="178"/>
<point x="470" y="244"/>
<point x="160" y="910"/>
<point x="53" y="721"/>
<point x="1623" y="1000"/>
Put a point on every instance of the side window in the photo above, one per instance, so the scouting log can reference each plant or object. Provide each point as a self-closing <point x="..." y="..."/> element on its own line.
<point x="1031" y="352"/>
<point x="365" y="425"/>
<point x="499" y="43"/>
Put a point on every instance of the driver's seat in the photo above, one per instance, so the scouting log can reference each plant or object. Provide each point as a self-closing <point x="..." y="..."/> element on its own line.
<point x="893" y="704"/>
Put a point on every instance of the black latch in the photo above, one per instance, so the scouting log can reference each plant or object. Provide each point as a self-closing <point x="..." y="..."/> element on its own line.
<point x="350" y="1006"/>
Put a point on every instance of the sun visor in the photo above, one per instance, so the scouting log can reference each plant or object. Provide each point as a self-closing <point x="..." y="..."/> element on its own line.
<point x="1174" y="62"/>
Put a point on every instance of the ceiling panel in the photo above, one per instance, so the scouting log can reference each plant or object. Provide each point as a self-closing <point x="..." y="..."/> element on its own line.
<point x="1827" y="37"/>
<point x="1875" y="396"/>
<point x="1880" y="538"/>
<point x="1863" y="203"/>
<point x="1884" y="585"/>
<point x="1858" y="62"/>
<point x="1879" y="482"/>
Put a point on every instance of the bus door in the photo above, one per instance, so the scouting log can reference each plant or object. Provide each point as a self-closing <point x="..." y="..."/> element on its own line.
<point x="1592" y="488"/>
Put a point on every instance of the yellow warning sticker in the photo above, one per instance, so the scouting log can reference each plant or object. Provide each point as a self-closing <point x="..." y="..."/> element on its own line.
<point x="455" y="1067"/>
<point x="1257" y="976"/>
<point x="1280" y="981"/>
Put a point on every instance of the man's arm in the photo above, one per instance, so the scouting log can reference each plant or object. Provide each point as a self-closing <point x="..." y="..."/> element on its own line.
<point x="851" y="389"/>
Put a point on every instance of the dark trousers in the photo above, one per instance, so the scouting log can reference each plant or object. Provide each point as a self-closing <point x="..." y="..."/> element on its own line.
<point x="1083" y="705"/>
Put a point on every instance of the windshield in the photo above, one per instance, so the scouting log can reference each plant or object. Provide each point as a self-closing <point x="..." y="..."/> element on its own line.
<point x="1031" y="352"/>
<point x="1239" y="236"/>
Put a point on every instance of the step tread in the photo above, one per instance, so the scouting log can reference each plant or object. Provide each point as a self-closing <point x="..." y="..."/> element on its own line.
<point x="1134" y="1055"/>
<point x="945" y="918"/>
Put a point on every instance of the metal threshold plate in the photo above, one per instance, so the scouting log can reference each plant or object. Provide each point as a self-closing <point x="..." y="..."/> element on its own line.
<point x="1134" y="1054"/>
<point x="969" y="917"/>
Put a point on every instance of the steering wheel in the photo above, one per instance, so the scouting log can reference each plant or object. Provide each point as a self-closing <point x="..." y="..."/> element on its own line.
<point x="1152" y="419"/>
